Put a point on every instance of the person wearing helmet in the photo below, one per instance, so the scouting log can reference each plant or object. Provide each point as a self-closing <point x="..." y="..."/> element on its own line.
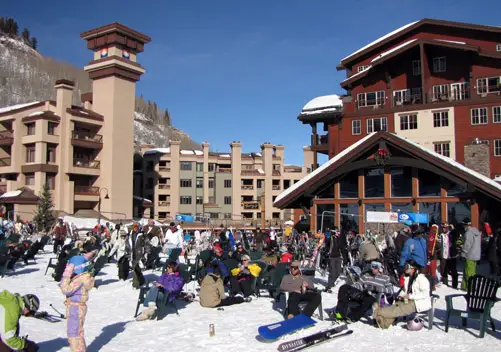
<point x="75" y="285"/>
<point x="12" y="307"/>
<point x="414" y="297"/>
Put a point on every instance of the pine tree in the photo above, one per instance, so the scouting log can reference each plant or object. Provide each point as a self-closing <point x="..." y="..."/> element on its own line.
<point x="26" y="36"/>
<point x="2" y="24"/>
<point x="44" y="216"/>
<point x="34" y="43"/>
<point x="166" y="120"/>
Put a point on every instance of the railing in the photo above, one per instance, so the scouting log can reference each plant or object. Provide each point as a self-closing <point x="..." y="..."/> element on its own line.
<point x="5" y="161"/>
<point x="163" y="186"/>
<point x="454" y="95"/>
<point x="370" y="103"/>
<point x="247" y="187"/>
<point x="275" y="172"/>
<point x="89" y="190"/>
<point x="293" y="169"/>
<point x="6" y="134"/>
<point x="275" y="187"/>
<point x="224" y="169"/>
<point x="91" y="164"/>
<point x="3" y="188"/>
<point x="163" y="168"/>
<point x="320" y="139"/>
<point x="87" y="136"/>
<point x="163" y="204"/>
<point x="408" y="99"/>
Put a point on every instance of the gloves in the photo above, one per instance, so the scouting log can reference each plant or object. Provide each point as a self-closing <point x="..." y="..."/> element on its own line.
<point x="30" y="346"/>
<point x="68" y="271"/>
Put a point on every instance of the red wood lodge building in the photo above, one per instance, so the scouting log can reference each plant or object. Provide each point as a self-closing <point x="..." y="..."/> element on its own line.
<point x="428" y="97"/>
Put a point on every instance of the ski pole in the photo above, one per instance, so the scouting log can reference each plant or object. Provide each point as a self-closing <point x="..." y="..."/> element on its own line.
<point x="58" y="312"/>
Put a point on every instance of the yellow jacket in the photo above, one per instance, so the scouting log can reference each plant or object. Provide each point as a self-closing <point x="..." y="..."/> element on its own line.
<point x="254" y="269"/>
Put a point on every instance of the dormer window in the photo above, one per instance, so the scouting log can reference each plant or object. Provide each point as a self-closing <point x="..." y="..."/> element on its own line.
<point x="498" y="47"/>
<point x="439" y="64"/>
<point x="362" y="68"/>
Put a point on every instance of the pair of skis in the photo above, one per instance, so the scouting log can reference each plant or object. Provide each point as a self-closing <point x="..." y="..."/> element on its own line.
<point x="315" y="339"/>
<point x="50" y="317"/>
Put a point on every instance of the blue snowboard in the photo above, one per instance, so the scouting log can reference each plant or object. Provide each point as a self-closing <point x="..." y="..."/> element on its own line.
<point x="276" y="330"/>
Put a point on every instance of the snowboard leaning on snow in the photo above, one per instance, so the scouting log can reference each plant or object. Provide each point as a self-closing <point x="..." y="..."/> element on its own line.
<point x="276" y="330"/>
<point x="314" y="339"/>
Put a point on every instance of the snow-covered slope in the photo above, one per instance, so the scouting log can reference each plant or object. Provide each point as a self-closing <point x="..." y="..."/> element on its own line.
<point x="110" y="326"/>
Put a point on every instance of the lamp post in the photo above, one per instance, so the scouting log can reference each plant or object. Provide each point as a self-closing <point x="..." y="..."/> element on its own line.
<point x="99" y="203"/>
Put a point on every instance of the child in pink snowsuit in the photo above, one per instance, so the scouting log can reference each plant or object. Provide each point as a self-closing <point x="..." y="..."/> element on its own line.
<point x="75" y="285"/>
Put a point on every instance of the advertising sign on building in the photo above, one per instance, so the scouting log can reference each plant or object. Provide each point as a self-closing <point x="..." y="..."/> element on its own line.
<point x="413" y="218"/>
<point x="186" y="218"/>
<point x="382" y="217"/>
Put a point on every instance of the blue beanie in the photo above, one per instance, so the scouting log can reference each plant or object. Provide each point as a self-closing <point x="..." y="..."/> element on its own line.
<point x="80" y="262"/>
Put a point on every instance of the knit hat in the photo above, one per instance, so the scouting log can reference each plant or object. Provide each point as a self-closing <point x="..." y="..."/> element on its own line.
<point x="80" y="262"/>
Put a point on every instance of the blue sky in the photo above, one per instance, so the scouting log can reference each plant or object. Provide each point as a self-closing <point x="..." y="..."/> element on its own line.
<point x="238" y="70"/>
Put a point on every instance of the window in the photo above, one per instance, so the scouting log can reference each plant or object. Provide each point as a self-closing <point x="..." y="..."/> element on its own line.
<point x="496" y="114"/>
<point x="212" y="167"/>
<point x="30" y="179"/>
<point x="370" y="99"/>
<point x="211" y="200"/>
<point x="30" y="153"/>
<point x="214" y="215"/>
<point x="479" y="116"/>
<point x="260" y="183"/>
<point x="51" y="128"/>
<point x="416" y="67"/>
<point x="227" y="200"/>
<point x="227" y="216"/>
<point x="185" y="200"/>
<point x="211" y="183"/>
<point x="50" y="181"/>
<point x="348" y="185"/>
<point x="200" y="167"/>
<point x="356" y="127"/>
<point x="439" y="64"/>
<point x="400" y="96"/>
<point x="227" y="183"/>
<point x="498" y="47"/>
<point x="377" y="124"/>
<point x="428" y="185"/>
<point x="362" y="68"/>
<point x="401" y="181"/>
<point x="30" y="129"/>
<point x="200" y="200"/>
<point x="408" y="122"/>
<point x="186" y="165"/>
<point x="51" y="154"/>
<point x="488" y="85"/>
<point x="200" y="183"/>
<point x="374" y="183"/>
<point x="441" y="119"/>
<point x="441" y="92"/>
<point x="497" y="147"/>
<point x="442" y="149"/>
<point x="185" y="183"/>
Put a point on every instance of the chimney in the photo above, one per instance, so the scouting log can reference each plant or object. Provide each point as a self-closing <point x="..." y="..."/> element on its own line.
<point x="86" y="99"/>
<point x="308" y="159"/>
<point x="477" y="157"/>
<point x="64" y="95"/>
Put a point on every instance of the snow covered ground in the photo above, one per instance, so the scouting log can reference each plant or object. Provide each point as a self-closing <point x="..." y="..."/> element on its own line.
<point x="110" y="325"/>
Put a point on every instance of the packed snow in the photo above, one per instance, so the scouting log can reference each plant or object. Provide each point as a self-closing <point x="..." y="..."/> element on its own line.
<point x="322" y="104"/>
<point x="11" y="194"/>
<point x="15" y="107"/>
<point x="187" y="152"/>
<point x="110" y="326"/>
<point x="157" y="150"/>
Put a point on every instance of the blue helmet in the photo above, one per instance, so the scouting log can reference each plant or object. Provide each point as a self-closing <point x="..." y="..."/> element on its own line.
<point x="80" y="262"/>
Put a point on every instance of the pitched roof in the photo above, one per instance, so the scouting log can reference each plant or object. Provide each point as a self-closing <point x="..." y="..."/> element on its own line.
<point x="399" y="32"/>
<point x="313" y="181"/>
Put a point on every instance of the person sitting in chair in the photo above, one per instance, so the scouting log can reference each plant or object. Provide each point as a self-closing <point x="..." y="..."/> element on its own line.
<point x="414" y="297"/>
<point x="242" y="277"/>
<point x="212" y="291"/>
<point x="169" y="283"/>
<point x="301" y="290"/>
<point x="357" y="298"/>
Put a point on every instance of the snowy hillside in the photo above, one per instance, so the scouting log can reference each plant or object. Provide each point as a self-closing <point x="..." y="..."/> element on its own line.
<point x="110" y="326"/>
<point x="26" y="76"/>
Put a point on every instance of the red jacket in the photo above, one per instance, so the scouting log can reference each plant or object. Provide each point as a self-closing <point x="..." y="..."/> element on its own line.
<point x="286" y="258"/>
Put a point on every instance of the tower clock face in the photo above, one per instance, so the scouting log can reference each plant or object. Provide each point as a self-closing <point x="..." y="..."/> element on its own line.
<point x="104" y="52"/>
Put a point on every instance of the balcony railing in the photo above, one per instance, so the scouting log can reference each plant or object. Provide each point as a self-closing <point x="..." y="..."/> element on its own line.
<point x="407" y="98"/>
<point x="444" y="96"/>
<point x="87" y="190"/>
<point x="224" y="169"/>
<point x="163" y="168"/>
<point x="293" y="169"/>
<point x="5" y="161"/>
<point x="164" y="186"/>
<point x="320" y="139"/>
<point x="248" y="187"/>
<point x="91" y="164"/>
<point x="6" y="134"/>
<point x="163" y="204"/>
<point x="275" y="187"/>
<point x="87" y="136"/>
<point x="370" y="104"/>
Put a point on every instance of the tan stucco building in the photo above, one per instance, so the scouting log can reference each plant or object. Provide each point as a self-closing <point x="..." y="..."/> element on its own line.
<point x="225" y="186"/>
<point x="83" y="153"/>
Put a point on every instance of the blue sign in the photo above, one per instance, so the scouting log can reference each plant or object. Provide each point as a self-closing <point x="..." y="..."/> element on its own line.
<point x="413" y="218"/>
<point x="187" y="218"/>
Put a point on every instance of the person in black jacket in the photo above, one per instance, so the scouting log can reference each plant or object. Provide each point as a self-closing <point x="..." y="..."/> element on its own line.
<point x="448" y="252"/>
<point x="493" y="251"/>
<point x="335" y="259"/>
<point x="402" y="237"/>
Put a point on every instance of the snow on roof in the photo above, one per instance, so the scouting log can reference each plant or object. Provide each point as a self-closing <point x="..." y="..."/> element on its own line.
<point x="380" y="39"/>
<point x="199" y="152"/>
<point x="453" y="163"/>
<point x="141" y="198"/>
<point x="11" y="194"/>
<point x="225" y="156"/>
<point x="497" y="178"/>
<point x="15" y="107"/>
<point x="187" y="152"/>
<point x="450" y="41"/>
<point x="388" y="52"/>
<point x="322" y="104"/>
<point x="321" y="168"/>
<point x="358" y="73"/>
<point x="260" y="171"/>
<point x="157" y="150"/>
<point x="259" y="154"/>
<point x="36" y="113"/>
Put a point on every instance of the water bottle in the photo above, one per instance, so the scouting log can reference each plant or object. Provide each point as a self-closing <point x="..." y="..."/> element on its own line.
<point x="212" y="330"/>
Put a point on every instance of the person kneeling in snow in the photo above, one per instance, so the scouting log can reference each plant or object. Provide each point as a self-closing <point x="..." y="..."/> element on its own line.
<point x="12" y="306"/>
<point x="415" y="297"/>
<point x="212" y="291"/>
<point x="75" y="285"/>
<point x="170" y="283"/>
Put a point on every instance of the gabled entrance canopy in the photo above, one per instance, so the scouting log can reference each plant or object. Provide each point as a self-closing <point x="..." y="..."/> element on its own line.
<point x="404" y="153"/>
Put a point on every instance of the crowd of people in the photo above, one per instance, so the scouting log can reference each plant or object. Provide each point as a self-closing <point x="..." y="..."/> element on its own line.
<point x="383" y="281"/>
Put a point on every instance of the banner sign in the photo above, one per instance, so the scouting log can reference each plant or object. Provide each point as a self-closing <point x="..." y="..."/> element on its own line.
<point x="186" y="218"/>
<point x="413" y="218"/>
<point x="382" y="217"/>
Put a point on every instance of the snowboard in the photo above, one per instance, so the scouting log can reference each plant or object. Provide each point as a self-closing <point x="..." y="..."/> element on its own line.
<point x="276" y="330"/>
<point x="314" y="339"/>
<point x="47" y="317"/>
